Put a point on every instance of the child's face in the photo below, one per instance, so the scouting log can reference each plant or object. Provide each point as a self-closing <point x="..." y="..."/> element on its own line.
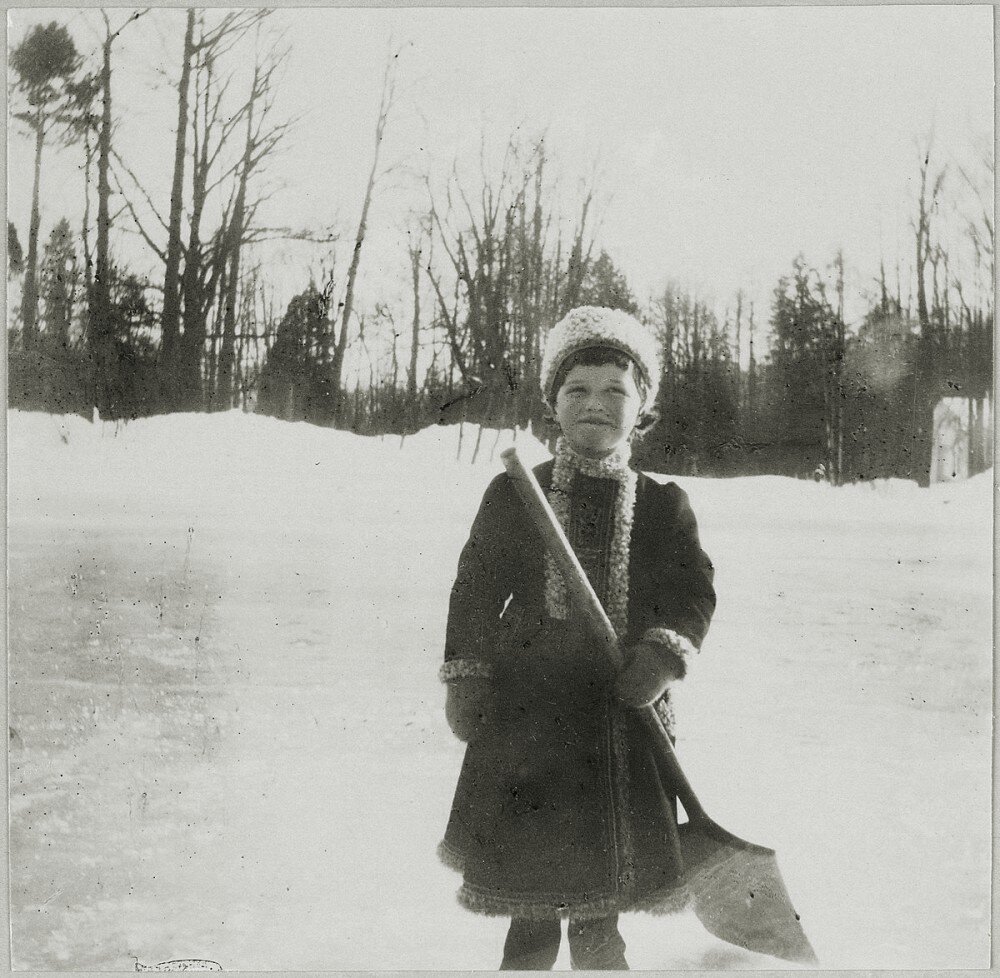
<point x="597" y="407"/>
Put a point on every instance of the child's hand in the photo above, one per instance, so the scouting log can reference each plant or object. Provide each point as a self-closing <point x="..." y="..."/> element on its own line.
<point x="468" y="707"/>
<point x="650" y="668"/>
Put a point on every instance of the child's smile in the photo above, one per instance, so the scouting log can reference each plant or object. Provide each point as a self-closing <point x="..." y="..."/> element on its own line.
<point x="597" y="407"/>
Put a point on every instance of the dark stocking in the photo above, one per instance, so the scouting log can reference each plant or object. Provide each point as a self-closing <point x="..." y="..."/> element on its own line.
<point x="531" y="945"/>
<point x="596" y="945"/>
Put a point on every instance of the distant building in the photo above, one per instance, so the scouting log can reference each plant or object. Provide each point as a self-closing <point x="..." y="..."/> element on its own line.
<point x="963" y="438"/>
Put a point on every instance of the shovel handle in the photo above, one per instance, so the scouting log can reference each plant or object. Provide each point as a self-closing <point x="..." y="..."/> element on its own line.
<point x="586" y="603"/>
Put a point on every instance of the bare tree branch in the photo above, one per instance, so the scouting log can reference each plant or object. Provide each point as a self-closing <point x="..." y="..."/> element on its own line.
<point x="135" y="180"/>
<point x="159" y="252"/>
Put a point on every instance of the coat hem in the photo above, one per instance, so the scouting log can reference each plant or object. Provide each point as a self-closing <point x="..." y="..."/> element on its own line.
<point x="450" y="857"/>
<point x="671" y="899"/>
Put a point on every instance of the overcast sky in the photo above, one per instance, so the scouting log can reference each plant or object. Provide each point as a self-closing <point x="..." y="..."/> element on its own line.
<point x="724" y="140"/>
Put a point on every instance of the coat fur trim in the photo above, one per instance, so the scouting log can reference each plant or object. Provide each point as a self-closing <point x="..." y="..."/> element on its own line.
<point x="615" y="466"/>
<point x="671" y="899"/>
<point x="464" y="669"/>
<point x="450" y="858"/>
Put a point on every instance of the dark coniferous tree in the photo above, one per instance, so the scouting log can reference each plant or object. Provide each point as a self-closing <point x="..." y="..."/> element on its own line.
<point x="797" y="373"/>
<point x="58" y="282"/>
<point x="604" y="284"/>
<point x="880" y="377"/>
<point x="293" y="384"/>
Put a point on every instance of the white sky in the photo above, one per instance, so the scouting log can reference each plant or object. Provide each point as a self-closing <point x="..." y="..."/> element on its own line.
<point x="724" y="140"/>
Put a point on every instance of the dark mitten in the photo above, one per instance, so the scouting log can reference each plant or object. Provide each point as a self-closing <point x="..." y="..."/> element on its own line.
<point x="468" y="707"/>
<point x="650" y="668"/>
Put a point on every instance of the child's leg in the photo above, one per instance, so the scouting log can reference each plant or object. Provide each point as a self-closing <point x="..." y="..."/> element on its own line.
<point x="596" y="945"/>
<point x="531" y="945"/>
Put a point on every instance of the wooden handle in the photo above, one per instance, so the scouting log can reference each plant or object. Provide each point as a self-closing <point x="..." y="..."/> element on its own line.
<point x="586" y="603"/>
<point x="581" y="591"/>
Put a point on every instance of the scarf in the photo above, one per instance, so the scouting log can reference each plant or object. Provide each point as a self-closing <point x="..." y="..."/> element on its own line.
<point x="614" y="466"/>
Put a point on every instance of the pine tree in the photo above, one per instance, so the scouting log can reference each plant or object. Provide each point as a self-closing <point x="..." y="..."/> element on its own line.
<point x="293" y="383"/>
<point x="59" y="282"/>
<point x="604" y="284"/>
<point x="800" y="321"/>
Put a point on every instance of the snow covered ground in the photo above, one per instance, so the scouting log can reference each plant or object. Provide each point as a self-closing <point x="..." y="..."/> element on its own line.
<point x="228" y="742"/>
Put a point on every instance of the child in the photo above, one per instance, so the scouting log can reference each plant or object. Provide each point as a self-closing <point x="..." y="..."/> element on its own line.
<point x="561" y="809"/>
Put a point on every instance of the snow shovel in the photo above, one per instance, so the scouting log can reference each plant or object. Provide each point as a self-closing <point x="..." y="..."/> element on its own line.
<point x="736" y="887"/>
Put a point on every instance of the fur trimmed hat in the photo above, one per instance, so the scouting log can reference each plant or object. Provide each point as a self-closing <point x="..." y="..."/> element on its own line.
<point x="589" y="326"/>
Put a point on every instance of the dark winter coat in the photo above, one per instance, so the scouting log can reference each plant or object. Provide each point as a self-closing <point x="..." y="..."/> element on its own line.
<point x="561" y="808"/>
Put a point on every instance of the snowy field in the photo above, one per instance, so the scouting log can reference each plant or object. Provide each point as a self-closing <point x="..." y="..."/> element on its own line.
<point x="228" y="739"/>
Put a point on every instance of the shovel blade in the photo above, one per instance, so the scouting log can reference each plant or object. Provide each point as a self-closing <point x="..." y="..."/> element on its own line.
<point x="738" y="893"/>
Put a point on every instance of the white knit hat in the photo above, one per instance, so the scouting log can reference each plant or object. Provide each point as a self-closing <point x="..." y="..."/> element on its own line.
<point x="589" y="326"/>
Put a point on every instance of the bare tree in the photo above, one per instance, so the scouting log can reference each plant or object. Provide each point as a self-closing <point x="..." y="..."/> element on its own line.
<point x="204" y="46"/>
<point x="170" y="316"/>
<point x="503" y="281"/>
<point x="931" y="343"/>
<point x="86" y="124"/>
<point x="101" y="332"/>
<point x="835" y="342"/>
<point x="384" y="108"/>
<point x="415" y="247"/>
<point x="927" y="203"/>
<point x="979" y="225"/>
<point x="260" y="141"/>
<point x="978" y="347"/>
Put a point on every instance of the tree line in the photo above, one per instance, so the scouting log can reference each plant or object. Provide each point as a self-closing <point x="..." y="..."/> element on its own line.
<point x="495" y="257"/>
